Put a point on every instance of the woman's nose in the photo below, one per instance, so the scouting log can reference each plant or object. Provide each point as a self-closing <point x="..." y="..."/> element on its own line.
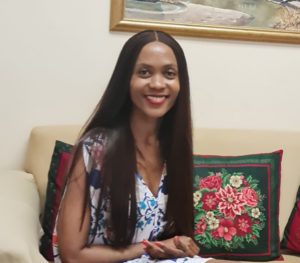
<point x="157" y="82"/>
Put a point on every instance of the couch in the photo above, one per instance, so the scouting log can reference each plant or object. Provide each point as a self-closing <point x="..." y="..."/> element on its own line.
<point x="22" y="192"/>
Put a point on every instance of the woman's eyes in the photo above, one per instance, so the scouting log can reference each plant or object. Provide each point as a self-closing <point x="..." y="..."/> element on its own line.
<point x="170" y="73"/>
<point x="146" y="73"/>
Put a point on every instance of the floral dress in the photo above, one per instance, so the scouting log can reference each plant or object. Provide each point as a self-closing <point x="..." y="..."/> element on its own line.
<point x="150" y="209"/>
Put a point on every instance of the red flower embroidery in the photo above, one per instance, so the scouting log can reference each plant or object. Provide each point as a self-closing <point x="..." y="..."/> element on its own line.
<point x="230" y="205"/>
<point x="226" y="229"/>
<point x="250" y="196"/>
<point x="245" y="182"/>
<point x="231" y="202"/>
<point x="211" y="182"/>
<point x="210" y="202"/>
<point x="215" y="234"/>
<point x="201" y="226"/>
<point x="243" y="224"/>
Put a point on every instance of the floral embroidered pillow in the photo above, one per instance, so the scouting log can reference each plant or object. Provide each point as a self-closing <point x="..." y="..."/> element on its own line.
<point x="236" y="204"/>
<point x="291" y="236"/>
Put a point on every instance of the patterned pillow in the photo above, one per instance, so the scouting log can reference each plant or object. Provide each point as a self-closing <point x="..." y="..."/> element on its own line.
<point x="236" y="202"/>
<point x="291" y="236"/>
<point x="56" y="181"/>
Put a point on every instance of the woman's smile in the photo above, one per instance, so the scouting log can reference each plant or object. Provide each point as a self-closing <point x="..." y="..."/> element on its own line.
<point x="156" y="100"/>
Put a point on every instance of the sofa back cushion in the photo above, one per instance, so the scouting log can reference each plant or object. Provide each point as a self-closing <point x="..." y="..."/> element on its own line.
<point x="206" y="141"/>
<point x="39" y="152"/>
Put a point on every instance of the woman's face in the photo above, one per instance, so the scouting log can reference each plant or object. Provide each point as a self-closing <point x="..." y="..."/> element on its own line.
<point x="154" y="84"/>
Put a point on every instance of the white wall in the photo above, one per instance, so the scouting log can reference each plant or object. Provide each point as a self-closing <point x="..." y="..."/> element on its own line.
<point x="56" y="57"/>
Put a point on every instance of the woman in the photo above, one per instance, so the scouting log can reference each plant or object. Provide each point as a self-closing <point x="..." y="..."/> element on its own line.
<point x="129" y="193"/>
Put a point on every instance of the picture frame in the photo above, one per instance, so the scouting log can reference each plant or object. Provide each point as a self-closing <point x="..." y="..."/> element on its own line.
<point x="131" y="19"/>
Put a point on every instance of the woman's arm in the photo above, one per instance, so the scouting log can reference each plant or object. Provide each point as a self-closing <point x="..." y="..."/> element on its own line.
<point x="72" y="236"/>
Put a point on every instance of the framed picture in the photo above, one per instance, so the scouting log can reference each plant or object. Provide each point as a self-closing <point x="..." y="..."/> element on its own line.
<point x="255" y="20"/>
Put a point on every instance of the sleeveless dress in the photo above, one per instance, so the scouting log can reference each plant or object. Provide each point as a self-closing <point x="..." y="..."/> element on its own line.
<point x="150" y="209"/>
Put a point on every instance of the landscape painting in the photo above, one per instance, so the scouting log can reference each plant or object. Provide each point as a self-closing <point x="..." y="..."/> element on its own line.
<point x="261" y="20"/>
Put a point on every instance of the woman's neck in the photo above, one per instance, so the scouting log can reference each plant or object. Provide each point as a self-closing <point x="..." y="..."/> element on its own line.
<point x="144" y="130"/>
<point x="148" y="158"/>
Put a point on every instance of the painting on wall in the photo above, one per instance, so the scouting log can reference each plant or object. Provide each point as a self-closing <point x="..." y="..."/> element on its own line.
<point x="258" y="20"/>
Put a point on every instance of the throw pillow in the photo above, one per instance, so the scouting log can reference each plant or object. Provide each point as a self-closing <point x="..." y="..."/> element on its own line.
<point x="55" y="186"/>
<point x="236" y="203"/>
<point x="291" y="236"/>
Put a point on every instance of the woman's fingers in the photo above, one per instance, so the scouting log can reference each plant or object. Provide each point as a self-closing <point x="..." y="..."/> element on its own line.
<point x="195" y="247"/>
<point x="153" y="250"/>
<point x="170" y="251"/>
<point x="162" y="250"/>
<point x="182" y="246"/>
<point x="187" y="245"/>
<point x="152" y="246"/>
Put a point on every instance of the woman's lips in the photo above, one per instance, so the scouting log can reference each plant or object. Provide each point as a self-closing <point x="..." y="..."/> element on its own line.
<point x="156" y="99"/>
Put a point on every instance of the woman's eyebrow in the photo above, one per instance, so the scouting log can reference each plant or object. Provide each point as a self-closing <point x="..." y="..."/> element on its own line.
<point x="143" y="65"/>
<point x="173" y="66"/>
<point x="151" y="66"/>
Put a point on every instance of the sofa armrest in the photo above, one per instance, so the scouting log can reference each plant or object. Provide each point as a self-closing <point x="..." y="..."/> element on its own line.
<point x="19" y="221"/>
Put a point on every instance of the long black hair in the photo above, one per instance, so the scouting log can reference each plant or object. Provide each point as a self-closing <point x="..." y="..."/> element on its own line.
<point x="119" y="164"/>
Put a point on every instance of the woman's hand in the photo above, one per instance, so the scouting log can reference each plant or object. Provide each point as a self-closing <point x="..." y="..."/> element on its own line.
<point x="172" y="248"/>
<point x="187" y="245"/>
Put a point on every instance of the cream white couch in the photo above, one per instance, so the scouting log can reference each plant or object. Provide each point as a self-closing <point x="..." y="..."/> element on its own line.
<point x="22" y="193"/>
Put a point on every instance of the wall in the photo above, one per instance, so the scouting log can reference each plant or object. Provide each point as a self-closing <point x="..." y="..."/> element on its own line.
<point x="57" y="56"/>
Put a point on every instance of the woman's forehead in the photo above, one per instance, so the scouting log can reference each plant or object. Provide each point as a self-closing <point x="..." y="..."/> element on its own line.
<point x="157" y="53"/>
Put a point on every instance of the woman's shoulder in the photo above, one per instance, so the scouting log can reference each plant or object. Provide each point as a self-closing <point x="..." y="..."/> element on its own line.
<point x="95" y="137"/>
<point x="93" y="147"/>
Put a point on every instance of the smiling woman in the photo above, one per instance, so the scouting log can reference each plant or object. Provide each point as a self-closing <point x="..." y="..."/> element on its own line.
<point x="121" y="202"/>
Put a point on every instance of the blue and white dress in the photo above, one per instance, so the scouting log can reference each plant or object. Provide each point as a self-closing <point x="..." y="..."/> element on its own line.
<point x="150" y="209"/>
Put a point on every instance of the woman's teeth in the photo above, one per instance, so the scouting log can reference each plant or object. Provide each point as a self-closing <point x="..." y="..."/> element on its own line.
<point x="156" y="99"/>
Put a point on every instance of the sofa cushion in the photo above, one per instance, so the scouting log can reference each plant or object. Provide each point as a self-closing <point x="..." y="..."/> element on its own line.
<point x="56" y="183"/>
<point x="20" y="231"/>
<point x="236" y="201"/>
<point x="230" y="142"/>
<point x="291" y="237"/>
